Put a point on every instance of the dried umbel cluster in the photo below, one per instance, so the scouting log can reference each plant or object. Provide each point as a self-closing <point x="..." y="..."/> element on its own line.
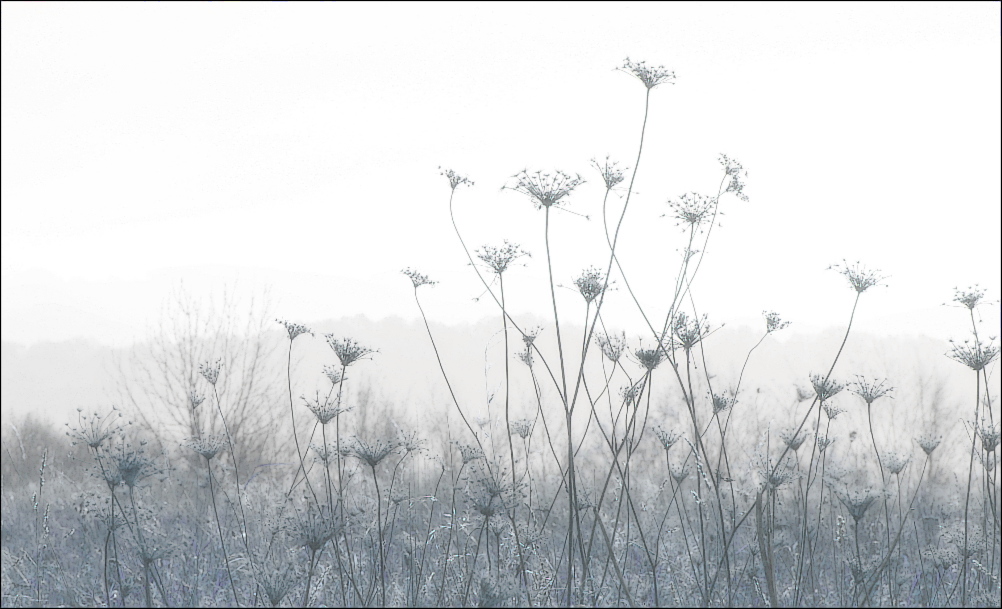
<point x="591" y="284"/>
<point x="692" y="209"/>
<point x="773" y="322"/>
<point x="293" y="329"/>
<point x="825" y="387"/>
<point x="207" y="445"/>
<point x="94" y="429"/>
<point x="651" y="76"/>
<point x="611" y="345"/>
<point x="417" y="279"/>
<point x="974" y="354"/>
<point x="210" y="371"/>
<point x="455" y="179"/>
<point x="545" y="189"/>
<point x="859" y="277"/>
<point x="870" y="391"/>
<point x="500" y="258"/>
<point x="348" y="350"/>
<point x="612" y="173"/>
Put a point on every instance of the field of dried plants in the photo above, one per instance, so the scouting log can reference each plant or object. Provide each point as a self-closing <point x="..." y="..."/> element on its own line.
<point x="638" y="479"/>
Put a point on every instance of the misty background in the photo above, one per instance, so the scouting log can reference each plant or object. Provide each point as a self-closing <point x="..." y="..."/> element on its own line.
<point x="294" y="150"/>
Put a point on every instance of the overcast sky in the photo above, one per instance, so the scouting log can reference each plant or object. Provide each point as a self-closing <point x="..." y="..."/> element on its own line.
<point x="297" y="146"/>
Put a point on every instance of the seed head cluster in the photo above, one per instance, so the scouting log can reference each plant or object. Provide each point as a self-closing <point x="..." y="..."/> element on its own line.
<point x="591" y="283"/>
<point x="651" y="76"/>
<point x="455" y="179"/>
<point x="500" y="258"/>
<point x="417" y="278"/>
<point x="612" y="174"/>
<point x="692" y="209"/>
<point x="859" y="277"/>
<point x="545" y="189"/>
<point x="348" y="350"/>
<point x="294" y="330"/>
<point x="975" y="355"/>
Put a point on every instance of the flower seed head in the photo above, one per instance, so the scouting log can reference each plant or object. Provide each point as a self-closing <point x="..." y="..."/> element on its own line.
<point x="870" y="391"/>
<point x="591" y="283"/>
<point x="612" y="174"/>
<point x="348" y="350"/>
<point x="455" y="179"/>
<point x="773" y="323"/>
<point x="500" y="258"/>
<point x="649" y="75"/>
<point x="211" y="371"/>
<point x="860" y="278"/>
<point x="974" y="355"/>
<point x="825" y="388"/>
<point x="417" y="278"/>
<point x="545" y="189"/>
<point x="294" y="330"/>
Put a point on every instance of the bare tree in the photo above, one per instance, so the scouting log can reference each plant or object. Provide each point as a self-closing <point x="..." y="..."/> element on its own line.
<point x="161" y="383"/>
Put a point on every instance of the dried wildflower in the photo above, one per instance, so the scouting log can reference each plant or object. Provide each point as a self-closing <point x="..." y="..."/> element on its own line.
<point x="668" y="438"/>
<point x="208" y="446"/>
<point x="500" y="258"/>
<point x="970" y="297"/>
<point x="692" y="209"/>
<point x="774" y="476"/>
<point x="591" y="283"/>
<point x="857" y="501"/>
<point x="529" y="335"/>
<point x="722" y="402"/>
<point x="689" y="331"/>
<point x="831" y="410"/>
<point x="470" y="453"/>
<point x="650" y="358"/>
<point x="312" y="528"/>
<point x="195" y="399"/>
<point x="276" y="582"/>
<point x="611" y="173"/>
<point x="736" y="173"/>
<point x="455" y="179"/>
<point x="989" y="436"/>
<point x="860" y="278"/>
<point x="793" y="440"/>
<point x="324" y="453"/>
<point x="133" y="464"/>
<point x="975" y="356"/>
<point x="825" y="388"/>
<point x="348" y="350"/>
<point x="631" y="393"/>
<point x="679" y="472"/>
<point x="522" y="428"/>
<point x="95" y="429"/>
<point x="324" y="411"/>
<point x="928" y="442"/>
<point x="649" y="75"/>
<point x="612" y="346"/>
<point x="410" y="442"/>
<point x="869" y="391"/>
<point x="294" y="330"/>
<point x="773" y="323"/>
<point x="823" y="442"/>
<point x="211" y="371"/>
<point x="526" y="357"/>
<point x="417" y="278"/>
<point x="545" y="189"/>
<point x="372" y="452"/>
<point x="333" y="374"/>
<point x="896" y="462"/>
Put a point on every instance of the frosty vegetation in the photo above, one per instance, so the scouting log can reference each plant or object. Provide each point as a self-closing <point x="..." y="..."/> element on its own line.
<point x="628" y="483"/>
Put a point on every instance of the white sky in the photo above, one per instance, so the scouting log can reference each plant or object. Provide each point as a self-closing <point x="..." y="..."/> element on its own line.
<point x="298" y="145"/>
